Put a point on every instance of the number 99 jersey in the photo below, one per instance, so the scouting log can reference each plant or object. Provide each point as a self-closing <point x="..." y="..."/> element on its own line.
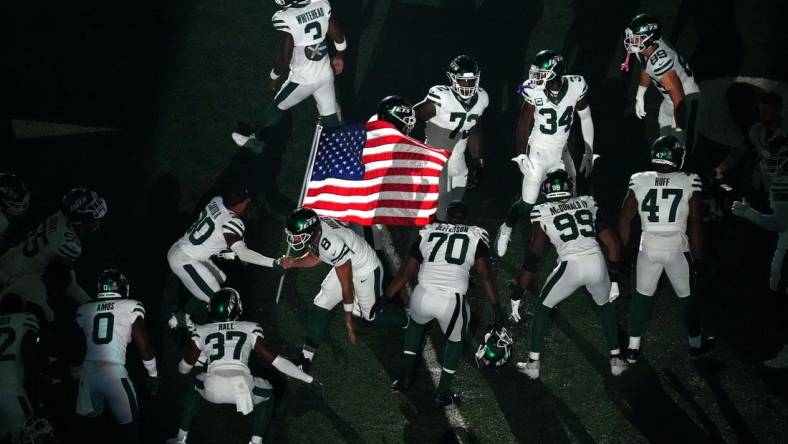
<point x="554" y="112"/>
<point x="205" y="237"/>
<point x="570" y="225"/>
<point x="107" y="326"/>
<point x="447" y="252"/>
<point x="227" y="344"/>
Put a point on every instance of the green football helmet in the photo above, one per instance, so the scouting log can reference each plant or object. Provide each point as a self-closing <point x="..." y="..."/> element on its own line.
<point x="547" y="65"/>
<point x="557" y="186"/>
<point x="302" y="225"/>
<point x="82" y="204"/>
<point x="112" y="284"/>
<point x="668" y="150"/>
<point x="496" y="349"/>
<point x="398" y="111"/>
<point x="14" y="195"/>
<point x="464" y="74"/>
<point x="643" y="31"/>
<point x="225" y="306"/>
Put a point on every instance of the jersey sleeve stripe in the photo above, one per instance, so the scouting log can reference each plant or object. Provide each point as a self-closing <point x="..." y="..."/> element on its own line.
<point x="230" y="230"/>
<point x="138" y="310"/>
<point x="236" y="224"/>
<point x="664" y="68"/>
<point x="66" y="251"/>
<point x="31" y="325"/>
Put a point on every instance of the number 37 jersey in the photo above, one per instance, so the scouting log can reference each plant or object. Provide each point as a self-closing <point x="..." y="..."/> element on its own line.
<point x="570" y="225"/>
<point x="227" y="344"/>
<point x="447" y="252"/>
<point x="107" y="327"/>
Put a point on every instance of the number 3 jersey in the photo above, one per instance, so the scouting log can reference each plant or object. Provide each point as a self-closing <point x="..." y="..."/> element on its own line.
<point x="454" y="118"/>
<point x="339" y="244"/>
<point x="447" y="253"/>
<point x="308" y="25"/>
<point x="53" y="238"/>
<point x="570" y="225"/>
<point x="663" y="205"/>
<point x="205" y="237"/>
<point x="554" y="112"/>
<point x="107" y="327"/>
<point x="13" y="328"/>
<point x="227" y="345"/>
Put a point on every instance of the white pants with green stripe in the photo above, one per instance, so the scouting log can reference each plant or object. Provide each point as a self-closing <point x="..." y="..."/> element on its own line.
<point x="445" y="305"/>
<point x="291" y="94"/>
<point x="589" y="271"/>
<point x="366" y="289"/>
<point x="233" y="386"/>
<point x="201" y="278"/>
<point x="103" y="384"/>
<point x="14" y="410"/>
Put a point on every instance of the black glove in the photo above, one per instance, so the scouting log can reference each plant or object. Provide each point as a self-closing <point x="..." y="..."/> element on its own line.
<point x="475" y="170"/>
<point x="153" y="385"/>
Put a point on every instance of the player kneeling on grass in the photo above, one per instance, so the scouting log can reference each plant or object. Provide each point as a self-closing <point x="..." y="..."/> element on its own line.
<point x="355" y="279"/>
<point x="228" y="343"/>
<point x="443" y="255"/>
<point x="572" y="225"/>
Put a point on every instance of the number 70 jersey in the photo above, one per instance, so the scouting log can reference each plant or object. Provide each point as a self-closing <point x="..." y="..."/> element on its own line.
<point x="227" y="344"/>
<point x="570" y="225"/>
<point x="447" y="253"/>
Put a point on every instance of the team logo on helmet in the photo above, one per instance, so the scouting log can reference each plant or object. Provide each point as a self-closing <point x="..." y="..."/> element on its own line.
<point x="112" y="284"/>
<point x="496" y="349"/>
<point x="464" y="75"/>
<point x="547" y="65"/>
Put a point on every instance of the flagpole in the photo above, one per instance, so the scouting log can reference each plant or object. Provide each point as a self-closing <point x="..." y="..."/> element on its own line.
<point x="307" y="175"/>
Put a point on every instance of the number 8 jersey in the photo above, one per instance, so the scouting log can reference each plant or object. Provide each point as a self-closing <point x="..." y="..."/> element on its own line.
<point x="570" y="225"/>
<point x="107" y="326"/>
<point x="447" y="252"/>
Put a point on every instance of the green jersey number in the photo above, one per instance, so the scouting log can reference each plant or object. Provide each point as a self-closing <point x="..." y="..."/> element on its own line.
<point x="10" y="336"/>
<point x="553" y="122"/>
<point x="217" y="340"/>
<point x="462" y="118"/>
<point x="103" y="324"/>
<point x="449" y="255"/>
<point x="201" y="230"/>
<point x="573" y="225"/>
<point x="650" y="204"/>
<point x="315" y="29"/>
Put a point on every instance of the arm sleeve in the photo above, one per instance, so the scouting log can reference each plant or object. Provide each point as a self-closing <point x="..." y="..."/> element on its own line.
<point x="415" y="249"/>
<point x="280" y="24"/>
<point x="587" y="128"/>
<point x="433" y="95"/>
<point x="138" y="311"/>
<point x="251" y="256"/>
<point x="234" y="227"/>
<point x="290" y="369"/>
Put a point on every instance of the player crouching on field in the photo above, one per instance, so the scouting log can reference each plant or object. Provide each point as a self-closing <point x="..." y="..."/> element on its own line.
<point x="572" y="225"/>
<point x="228" y="343"/>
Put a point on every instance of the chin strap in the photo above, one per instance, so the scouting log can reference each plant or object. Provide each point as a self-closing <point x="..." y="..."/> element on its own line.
<point x="625" y="66"/>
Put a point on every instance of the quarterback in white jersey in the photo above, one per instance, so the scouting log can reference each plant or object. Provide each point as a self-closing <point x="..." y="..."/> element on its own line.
<point x="107" y="326"/>
<point x="18" y="336"/>
<point x="668" y="202"/>
<point x="302" y="64"/>
<point x="228" y="344"/>
<point x="551" y="100"/>
<point x="670" y="74"/>
<point x="218" y="230"/>
<point x="572" y="225"/>
<point x="443" y="255"/>
<point x="14" y="201"/>
<point x="452" y="115"/>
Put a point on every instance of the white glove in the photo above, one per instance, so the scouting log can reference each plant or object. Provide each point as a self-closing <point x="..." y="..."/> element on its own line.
<point x="614" y="292"/>
<point x="524" y="163"/>
<point x="587" y="164"/>
<point x="515" y="314"/>
<point x="743" y="209"/>
<point x="640" y="107"/>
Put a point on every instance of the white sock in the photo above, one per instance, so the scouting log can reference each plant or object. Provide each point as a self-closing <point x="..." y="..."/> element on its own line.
<point x="534" y="356"/>
<point x="257" y="439"/>
<point x="695" y="341"/>
<point x="634" y="342"/>
<point x="615" y="352"/>
<point x="182" y="434"/>
<point x="308" y="354"/>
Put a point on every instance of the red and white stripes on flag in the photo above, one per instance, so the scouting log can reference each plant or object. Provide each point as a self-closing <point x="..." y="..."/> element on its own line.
<point x="373" y="174"/>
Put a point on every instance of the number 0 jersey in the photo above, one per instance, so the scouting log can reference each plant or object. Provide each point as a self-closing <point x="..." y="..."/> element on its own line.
<point x="447" y="253"/>
<point x="454" y="118"/>
<point x="570" y="225"/>
<point x="339" y="244"/>
<point x="554" y="112"/>
<point x="206" y="235"/>
<point x="107" y="326"/>
<point x="54" y="238"/>
<point x="308" y="26"/>
<point x="227" y="345"/>
<point x="13" y="328"/>
<point x="663" y="59"/>
<point x="663" y="205"/>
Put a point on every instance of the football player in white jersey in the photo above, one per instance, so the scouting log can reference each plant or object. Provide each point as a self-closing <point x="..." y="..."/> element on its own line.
<point x="668" y="202"/>
<point x="18" y="337"/>
<point x="302" y="66"/>
<point x="37" y="290"/>
<point x="228" y="344"/>
<point x="14" y="201"/>
<point x="443" y="255"/>
<point x="218" y="230"/>
<point x="57" y="238"/>
<point x="572" y="225"/>
<point x="550" y="100"/>
<point x="355" y="278"/>
<point x="670" y="74"/>
<point x="107" y="325"/>
<point x="452" y="115"/>
<point x="777" y="222"/>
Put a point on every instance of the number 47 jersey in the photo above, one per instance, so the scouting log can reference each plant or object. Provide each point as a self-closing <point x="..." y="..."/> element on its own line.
<point x="447" y="253"/>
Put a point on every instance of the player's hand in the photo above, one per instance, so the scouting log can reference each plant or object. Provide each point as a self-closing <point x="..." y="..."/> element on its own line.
<point x="286" y="262"/>
<point x="277" y="265"/>
<point x="614" y="291"/>
<point x="316" y="387"/>
<point x="514" y="316"/>
<point x="227" y="255"/>
<point x="587" y="164"/>
<point x="153" y="385"/>
<point x="640" y="107"/>
<point x="742" y="209"/>
<point x="274" y="84"/>
<point x="338" y="64"/>
<point x="351" y="333"/>
<point x="475" y="170"/>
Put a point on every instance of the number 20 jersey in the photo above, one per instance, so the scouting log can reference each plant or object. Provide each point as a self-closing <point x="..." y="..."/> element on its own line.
<point x="447" y="253"/>
<point x="206" y="235"/>
<point x="554" y="112"/>
<point x="308" y="25"/>
<point x="107" y="327"/>
<point x="663" y="205"/>
<point x="227" y="344"/>
<point x="570" y="225"/>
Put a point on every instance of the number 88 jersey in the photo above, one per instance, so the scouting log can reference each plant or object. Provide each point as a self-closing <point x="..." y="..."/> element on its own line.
<point x="447" y="252"/>
<point x="227" y="344"/>
<point x="107" y="327"/>
<point x="570" y="225"/>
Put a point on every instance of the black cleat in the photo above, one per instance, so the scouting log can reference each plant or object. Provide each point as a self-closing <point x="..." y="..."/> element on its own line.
<point x="445" y="399"/>
<point x="402" y="384"/>
<point x="707" y="346"/>
<point x="632" y="355"/>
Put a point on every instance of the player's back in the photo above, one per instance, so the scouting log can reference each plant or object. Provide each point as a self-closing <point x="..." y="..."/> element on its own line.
<point x="570" y="225"/>
<point x="448" y="252"/>
<point x="307" y="23"/>
<point x="662" y="60"/>
<point x="554" y="112"/>
<point x="453" y="118"/>
<point x="53" y="238"/>
<point x="339" y="243"/>
<point x="227" y="345"/>
<point x="13" y="328"/>
<point x="205" y="237"/>
<point x="107" y="324"/>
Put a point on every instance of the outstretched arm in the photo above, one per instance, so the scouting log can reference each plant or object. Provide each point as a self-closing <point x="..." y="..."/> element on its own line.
<point x="244" y="253"/>
<point x="281" y="364"/>
<point x="282" y="61"/>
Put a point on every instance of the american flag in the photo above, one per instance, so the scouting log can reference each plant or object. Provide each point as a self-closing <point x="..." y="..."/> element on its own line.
<point x="372" y="174"/>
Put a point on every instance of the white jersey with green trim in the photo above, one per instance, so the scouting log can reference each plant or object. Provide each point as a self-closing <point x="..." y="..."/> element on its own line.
<point x="555" y="112"/>
<point x="570" y="225"/>
<point x="308" y="26"/>
<point x="663" y="205"/>
<point x="663" y="59"/>
<point x="227" y="345"/>
<point x="13" y="328"/>
<point x="454" y="117"/>
<point x="447" y="253"/>
<point x="205" y="237"/>
<point x="53" y="239"/>
<point x="778" y="199"/>
<point x="339" y="244"/>
<point x="107" y="327"/>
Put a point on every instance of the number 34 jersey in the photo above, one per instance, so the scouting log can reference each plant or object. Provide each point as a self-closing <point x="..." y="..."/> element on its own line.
<point x="554" y="112"/>
<point x="228" y="345"/>
<point x="206" y="235"/>
<point x="663" y="205"/>
<point x="447" y="253"/>
<point x="570" y="225"/>
<point x="107" y="327"/>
